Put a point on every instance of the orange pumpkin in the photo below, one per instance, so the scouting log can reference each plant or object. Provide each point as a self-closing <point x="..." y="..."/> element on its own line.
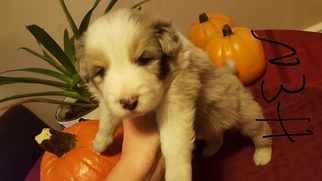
<point x="202" y="30"/>
<point x="73" y="157"/>
<point x="239" y="44"/>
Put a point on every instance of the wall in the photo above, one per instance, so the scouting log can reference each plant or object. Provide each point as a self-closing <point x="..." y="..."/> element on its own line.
<point x="16" y="14"/>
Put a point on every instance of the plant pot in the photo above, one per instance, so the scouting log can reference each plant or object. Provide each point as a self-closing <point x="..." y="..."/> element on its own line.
<point x="62" y="109"/>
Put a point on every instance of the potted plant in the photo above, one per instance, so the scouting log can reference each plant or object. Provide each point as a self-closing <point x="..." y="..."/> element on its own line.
<point x="64" y="76"/>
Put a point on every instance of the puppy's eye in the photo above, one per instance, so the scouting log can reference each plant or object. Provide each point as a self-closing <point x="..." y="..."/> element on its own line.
<point x="101" y="72"/>
<point x="144" y="60"/>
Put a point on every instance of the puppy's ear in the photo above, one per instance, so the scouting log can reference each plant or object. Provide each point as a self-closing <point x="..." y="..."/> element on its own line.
<point x="167" y="36"/>
<point x="80" y="64"/>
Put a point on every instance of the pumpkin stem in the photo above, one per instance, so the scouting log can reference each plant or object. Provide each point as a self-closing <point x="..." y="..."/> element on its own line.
<point x="56" y="142"/>
<point x="203" y="18"/>
<point x="226" y="30"/>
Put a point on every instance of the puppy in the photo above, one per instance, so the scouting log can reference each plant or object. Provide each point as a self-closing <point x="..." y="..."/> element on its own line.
<point x="135" y="62"/>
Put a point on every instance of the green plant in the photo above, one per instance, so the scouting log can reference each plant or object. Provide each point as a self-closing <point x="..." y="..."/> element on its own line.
<point x="65" y="77"/>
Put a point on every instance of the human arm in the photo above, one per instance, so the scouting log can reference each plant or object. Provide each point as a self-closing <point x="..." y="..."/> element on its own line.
<point x="141" y="155"/>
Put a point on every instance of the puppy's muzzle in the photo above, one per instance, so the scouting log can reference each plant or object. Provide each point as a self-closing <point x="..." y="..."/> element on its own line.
<point x="130" y="103"/>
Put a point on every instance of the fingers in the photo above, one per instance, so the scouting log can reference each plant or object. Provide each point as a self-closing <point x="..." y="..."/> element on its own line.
<point x="141" y="155"/>
<point x="157" y="172"/>
<point x="141" y="136"/>
<point x="141" y="127"/>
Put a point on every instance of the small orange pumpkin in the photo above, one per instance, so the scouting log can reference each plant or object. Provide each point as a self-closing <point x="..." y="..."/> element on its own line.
<point x="74" y="158"/>
<point x="202" y="30"/>
<point x="239" y="44"/>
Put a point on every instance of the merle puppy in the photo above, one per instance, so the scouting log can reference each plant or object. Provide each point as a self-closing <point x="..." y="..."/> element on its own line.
<point x="135" y="62"/>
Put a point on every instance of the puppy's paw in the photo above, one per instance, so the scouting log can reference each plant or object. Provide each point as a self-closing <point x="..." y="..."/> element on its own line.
<point x="262" y="156"/>
<point x="101" y="142"/>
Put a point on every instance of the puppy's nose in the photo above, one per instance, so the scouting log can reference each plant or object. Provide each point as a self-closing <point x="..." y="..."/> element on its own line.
<point x="129" y="103"/>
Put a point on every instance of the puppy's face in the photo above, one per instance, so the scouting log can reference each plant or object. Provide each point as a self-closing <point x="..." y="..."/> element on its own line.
<point x="125" y="56"/>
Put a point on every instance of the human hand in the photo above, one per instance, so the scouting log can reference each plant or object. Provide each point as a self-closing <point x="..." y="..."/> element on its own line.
<point x="141" y="158"/>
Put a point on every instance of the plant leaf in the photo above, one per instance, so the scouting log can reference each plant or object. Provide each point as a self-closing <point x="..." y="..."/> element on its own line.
<point x="13" y="80"/>
<point x="79" y="86"/>
<point x="68" y="47"/>
<point x="76" y="80"/>
<point x="50" y="44"/>
<point x="110" y="6"/>
<point x="47" y="72"/>
<point x="48" y="93"/>
<point x="51" y="101"/>
<point x="69" y="19"/>
<point x="84" y="24"/>
<point x="48" y="59"/>
<point x="138" y="5"/>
